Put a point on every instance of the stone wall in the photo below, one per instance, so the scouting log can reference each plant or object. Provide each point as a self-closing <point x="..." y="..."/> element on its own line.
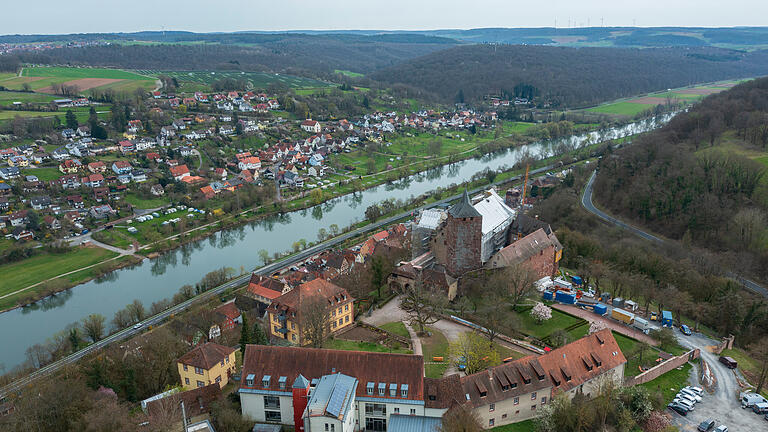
<point x="463" y="243"/>
<point x="727" y="343"/>
<point x="662" y="368"/>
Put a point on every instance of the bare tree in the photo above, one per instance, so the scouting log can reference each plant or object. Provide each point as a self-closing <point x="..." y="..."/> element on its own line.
<point x="759" y="351"/>
<point x="122" y="319"/>
<point x="518" y="280"/>
<point x="313" y="320"/>
<point x="495" y="317"/>
<point x="93" y="326"/>
<point x="136" y="310"/>
<point x="423" y="306"/>
<point x="460" y="418"/>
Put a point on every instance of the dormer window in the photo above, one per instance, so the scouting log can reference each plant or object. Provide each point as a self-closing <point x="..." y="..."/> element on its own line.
<point x="404" y="390"/>
<point x="265" y="381"/>
<point x="282" y="381"/>
<point x="369" y="388"/>
<point x="393" y="390"/>
<point x="382" y="388"/>
<point x="249" y="380"/>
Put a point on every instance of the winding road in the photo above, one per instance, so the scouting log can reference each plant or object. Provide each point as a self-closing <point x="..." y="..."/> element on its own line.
<point x="586" y="202"/>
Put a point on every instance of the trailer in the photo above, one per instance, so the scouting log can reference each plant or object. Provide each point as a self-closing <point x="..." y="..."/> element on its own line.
<point x="630" y="306"/>
<point x="666" y="319"/>
<point x="623" y="316"/>
<point x="564" y="297"/>
<point x="642" y="325"/>
<point x="563" y="284"/>
<point x="600" y="309"/>
<point x="577" y="280"/>
<point x="548" y="295"/>
<point x="618" y="302"/>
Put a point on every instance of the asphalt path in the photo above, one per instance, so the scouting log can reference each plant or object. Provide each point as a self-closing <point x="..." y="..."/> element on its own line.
<point x="586" y="202"/>
<point x="239" y="281"/>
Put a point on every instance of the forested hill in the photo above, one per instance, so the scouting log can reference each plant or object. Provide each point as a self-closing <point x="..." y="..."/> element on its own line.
<point x="702" y="178"/>
<point x="568" y="76"/>
<point x="265" y="53"/>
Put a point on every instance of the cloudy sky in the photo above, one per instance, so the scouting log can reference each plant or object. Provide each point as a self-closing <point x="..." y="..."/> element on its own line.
<point x="92" y="16"/>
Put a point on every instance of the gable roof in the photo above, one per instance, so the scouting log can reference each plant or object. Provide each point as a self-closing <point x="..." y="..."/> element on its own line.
<point x="582" y="360"/>
<point x="206" y="355"/>
<point x="277" y="361"/>
<point x="196" y="401"/>
<point x="443" y="392"/>
<point x="229" y="310"/>
<point x="518" y="377"/>
<point x="317" y="287"/>
<point x="525" y="248"/>
<point x="266" y="287"/>
<point x="464" y="208"/>
<point x="524" y="225"/>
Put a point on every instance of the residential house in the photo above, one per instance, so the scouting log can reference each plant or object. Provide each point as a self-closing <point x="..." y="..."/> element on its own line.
<point x="206" y="364"/>
<point x="69" y="181"/>
<point x="75" y="201"/>
<point x="101" y="211"/>
<point x="121" y="167"/>
<point x="84" y="131"/>
<point x="311" y="126"/>
<point x="138" y="175"/>
<point x="179" y="172"/>
<point x="229" y="315"/>
<point x="285" y="314"/>
<point x="157" y="190"/>
<point x="18" y="218"/>
<point x="22" y="234"/>
<point x="127" y="147"/>
<point x="265" y="289"/>
<point x="94" y="180"/>
<point x="70" y="166"/>
<point x="9" y="173"/>
<point x="249" y="163"/>
<point x="68" y="133"/>
<point x="40" y="202"/>
<point x="52" y="222"/>
<point x="20" y="161"/>
<point x="167" y="131"/>
<point x="97" y="167"/>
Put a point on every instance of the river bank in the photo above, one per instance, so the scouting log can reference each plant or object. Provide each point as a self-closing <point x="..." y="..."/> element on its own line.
<point x="160" y="278"/>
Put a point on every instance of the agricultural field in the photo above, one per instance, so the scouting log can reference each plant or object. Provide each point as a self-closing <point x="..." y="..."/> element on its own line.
<point x="348" y="73"/>
<point x="7" y="98"/>
<point x="40" y="79"/>
<point x="80" y="112"/>
<point x="258" y="80"/>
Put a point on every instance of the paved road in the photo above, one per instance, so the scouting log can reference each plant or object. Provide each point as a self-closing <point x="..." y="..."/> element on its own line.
<point x="586" y="202"/>
<point x="723" y="405"/>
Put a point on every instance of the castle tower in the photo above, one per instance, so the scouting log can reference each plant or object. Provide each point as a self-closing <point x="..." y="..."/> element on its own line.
<point x="462" y="237"/>
<point x="300" y="392"/>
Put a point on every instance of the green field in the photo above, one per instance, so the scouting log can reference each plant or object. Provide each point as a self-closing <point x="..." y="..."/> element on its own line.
<point x="81" y="113"/>
<point x="7" y="97"/>
<point x="621" y="108"/>
<point x="145" y="203"/>
<point x="346" y="345"/>
<point x="73" y="73"/>
<point x="258" y="80"/>
<point x="558" y="321"/>
<point x="44" y="173"/>
<point x="44" y="266"/>
<point x="432" y="346"/>
<point x="397" y="328"/>
<point x="348" y="73"/>
<point x="523" y="426"/>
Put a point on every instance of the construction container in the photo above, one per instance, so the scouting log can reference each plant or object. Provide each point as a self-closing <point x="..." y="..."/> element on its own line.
<point x="641" y="324"/>
<point x="564" y="297"/>
<point x="666" y="319"/>
<point x="548" y="295"/>
<point x="563" y="284"/>
<point x="577" y="280"/>
<point x="600" y="309"/>
<point x="618" y="302"/>
<point x="604" y="297"/>
<point x="630" y="306"/>
<point x="623" y="316"/>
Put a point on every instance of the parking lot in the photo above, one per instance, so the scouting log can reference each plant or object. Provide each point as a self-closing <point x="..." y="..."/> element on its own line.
<point x="723" y="406"/>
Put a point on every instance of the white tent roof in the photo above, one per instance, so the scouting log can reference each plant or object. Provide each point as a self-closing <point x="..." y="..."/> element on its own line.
<point x="495" y="212"/>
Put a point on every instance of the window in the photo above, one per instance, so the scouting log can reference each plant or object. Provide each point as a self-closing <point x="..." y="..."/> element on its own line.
<point x="341" y="321"/>
<point x="218" y="379"/>
<point x="393" y="390"/>
<point x="382" y="386"/>
<point x="333" y="312"/>
<point x="185" y="368"/>
<point x="404" y="391"/>
<point x="543" y="400"/>
<point x="222" y="362"/>
<point x="326" y="427"/>
<point x="397" y="410"/>
<point x="346" y="318"/>
<point x="376" y="409"/>
<point x="293" y="326"/>
<point x="490" y="422"/>
<point x="276" y="329"/>
<point x="271" y="402"/>
<point x="226" y="359"/>
<point x="282" y="382"/>
<point x="293" y="337"/>
<point x="413" y="411"/>
<point x="265" y="381"/>
<point x="273" y="416"/>
<point x="339" y="311"/>
<point x="333" y="324"/>
<point x="517" y="412"/>
<point x="200" y="384"/>
<point x="533" y="396"/>
<point x="249" y="380"/>
<point x="492" y="407"/>
<point x="346" y="308"/>
<point x="199" y="371"/>
<point x="186" y="381"/>
<point x="503" y="416"/>
<point x="375" y="424"/>
<point x="533" y="407"/>
<point x="517" y="400"/>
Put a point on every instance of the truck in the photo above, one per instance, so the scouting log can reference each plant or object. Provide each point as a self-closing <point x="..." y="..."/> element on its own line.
<point x="728" y="362"/>
<point x="623" y="316"/>
<point x="666" y="319"/>
<point x="577" y="280"/>
<point x="642" y="325"/>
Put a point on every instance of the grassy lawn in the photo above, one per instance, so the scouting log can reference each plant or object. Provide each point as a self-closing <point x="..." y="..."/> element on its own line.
<point x="397" y="328"/>
<point x="621" y="108"/>
<point x="7" y="97"/>
<point x="628" y="347"/>
<point x="747" y="365"/>
<point x="44" y="266"/>
<point x="558" y="321"/>
<point x="145" y="203"/>
<point x="114" y="238"/>
<point x="348" y="73"/>
<point x="346" y="345"/>
<point x="435" y="346"/>
<point x="670" y="383"/>
<point x="44" y="173"/>
<point x="74" y="73"/>
<point x="523" y="426"/>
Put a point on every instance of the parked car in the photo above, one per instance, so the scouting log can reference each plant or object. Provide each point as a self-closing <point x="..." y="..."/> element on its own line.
<point x="680" y="409"/>
<point x="722" y="428"/>
<point x="706" y="426"/>
<point x="685" y="402"/>
<point x="693" y="395"/>
<point x="686" y="330"/>
<point x="728" y="362"/>
<point x="749" y="399"/>
<point x="698" y="391"/>
<point x="760" y="408"/>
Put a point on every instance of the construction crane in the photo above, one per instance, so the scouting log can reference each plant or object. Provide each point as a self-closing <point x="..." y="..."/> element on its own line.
<point x="525" y="185"/>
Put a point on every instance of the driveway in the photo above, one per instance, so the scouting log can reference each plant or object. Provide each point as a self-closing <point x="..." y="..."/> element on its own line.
<point x="723" y="406"/>
<point x="608" y="322"/>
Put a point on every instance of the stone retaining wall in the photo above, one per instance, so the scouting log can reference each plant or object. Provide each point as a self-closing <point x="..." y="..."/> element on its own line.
<point x="662" y="368"/>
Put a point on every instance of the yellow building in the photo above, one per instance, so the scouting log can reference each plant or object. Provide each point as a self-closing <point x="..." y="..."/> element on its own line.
<point x="206" y="364"/>
<point x="285" y="311"/>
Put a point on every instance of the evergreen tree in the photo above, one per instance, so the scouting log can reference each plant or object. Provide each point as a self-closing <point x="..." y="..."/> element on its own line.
<point x="71" y="120"/>
<point x="259" y="337"/>
<point x="245" y="334"/>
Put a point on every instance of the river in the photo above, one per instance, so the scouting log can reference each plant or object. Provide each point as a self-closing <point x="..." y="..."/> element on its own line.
<point x="160" y="278"/>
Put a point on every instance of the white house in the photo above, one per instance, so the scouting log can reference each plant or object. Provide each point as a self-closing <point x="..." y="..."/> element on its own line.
<point x="312" y="126"/>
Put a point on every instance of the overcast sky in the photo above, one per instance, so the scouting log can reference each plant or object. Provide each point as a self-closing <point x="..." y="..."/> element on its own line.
<point x="95" y="16"/>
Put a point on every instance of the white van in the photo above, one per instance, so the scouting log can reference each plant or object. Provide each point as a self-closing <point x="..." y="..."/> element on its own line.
<point x="749" y="399"/>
